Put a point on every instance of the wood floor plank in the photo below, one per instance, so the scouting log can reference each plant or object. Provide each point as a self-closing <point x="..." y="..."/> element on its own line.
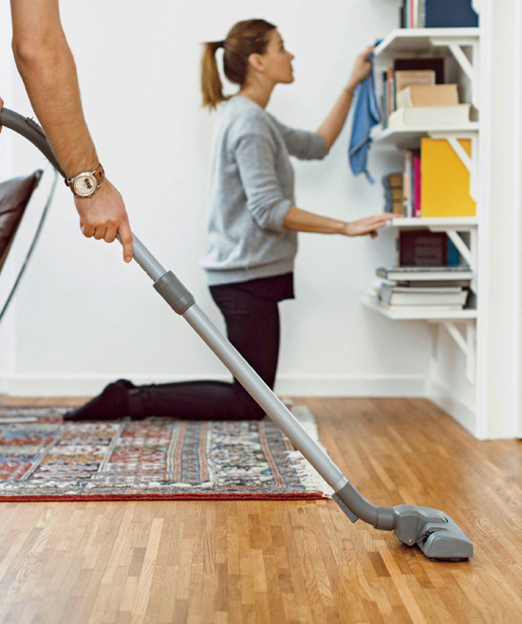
<point x="224" y="562"/>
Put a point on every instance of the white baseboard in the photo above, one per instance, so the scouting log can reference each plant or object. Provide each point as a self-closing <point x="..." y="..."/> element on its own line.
<point x="320" y="386"/>
<point x="462" y="413"/>
<point x="352" y="386"/>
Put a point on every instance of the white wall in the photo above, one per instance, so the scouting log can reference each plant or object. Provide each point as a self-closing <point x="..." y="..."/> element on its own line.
<point x="499" y="393"/>
<point x="83" y="317"/>
<point x="8" y="325"/>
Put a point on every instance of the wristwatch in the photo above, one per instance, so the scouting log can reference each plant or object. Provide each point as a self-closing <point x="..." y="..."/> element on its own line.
<point x="87" y="183"/>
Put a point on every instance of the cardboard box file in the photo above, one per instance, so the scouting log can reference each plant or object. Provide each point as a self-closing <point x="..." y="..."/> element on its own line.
<point x="445" y="180"/>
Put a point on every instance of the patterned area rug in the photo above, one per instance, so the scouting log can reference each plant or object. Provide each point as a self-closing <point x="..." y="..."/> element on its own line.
<point x="44" y="459"/>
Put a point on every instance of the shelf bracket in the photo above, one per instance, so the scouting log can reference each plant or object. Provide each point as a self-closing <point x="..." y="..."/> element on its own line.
<point x="462" y="60"/>
<point x="460" y="151"/>
<point x="470" y="162"/>
<point x="464" y="250"/>
<point x="468" y="67"/>
<point x="469" y="253"/>
<point x="466" y="343"/>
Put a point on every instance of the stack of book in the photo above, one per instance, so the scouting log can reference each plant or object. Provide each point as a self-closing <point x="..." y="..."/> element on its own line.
<point x="421" y="104"/>
<point x="441" y="288"/>
<point x="393" y="188"/>
<point x="438" y="14"/>
<point x="414" y="93"/>
<point x="407" y="72"/>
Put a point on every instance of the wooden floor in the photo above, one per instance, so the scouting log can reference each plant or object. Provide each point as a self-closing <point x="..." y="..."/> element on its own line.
<point x="285" y="562"/>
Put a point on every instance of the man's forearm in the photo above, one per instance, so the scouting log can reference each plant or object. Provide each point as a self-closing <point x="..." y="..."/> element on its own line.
<point x="303" y="221"/>
<point x="47" y="67"/>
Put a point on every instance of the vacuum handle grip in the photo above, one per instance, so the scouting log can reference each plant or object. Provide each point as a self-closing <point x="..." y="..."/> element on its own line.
<point x="33" y="132"/>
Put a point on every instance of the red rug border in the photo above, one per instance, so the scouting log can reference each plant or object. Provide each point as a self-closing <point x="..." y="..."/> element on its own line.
<point x="16" y="498"/>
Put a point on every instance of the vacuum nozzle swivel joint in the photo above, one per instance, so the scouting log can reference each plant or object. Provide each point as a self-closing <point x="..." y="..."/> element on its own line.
<point x="435" y="533"/>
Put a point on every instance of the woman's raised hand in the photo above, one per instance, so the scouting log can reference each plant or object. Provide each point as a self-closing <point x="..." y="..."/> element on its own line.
<point x="361" y="68"/>
<point x="369" y="225"/>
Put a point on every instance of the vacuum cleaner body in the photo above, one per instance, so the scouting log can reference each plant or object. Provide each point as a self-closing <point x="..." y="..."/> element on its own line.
<point x="437" y="535"/>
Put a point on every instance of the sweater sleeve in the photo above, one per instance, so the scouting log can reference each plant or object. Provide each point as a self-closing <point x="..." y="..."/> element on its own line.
<point x="256" y="163"/>
<point x="301" y="143"/>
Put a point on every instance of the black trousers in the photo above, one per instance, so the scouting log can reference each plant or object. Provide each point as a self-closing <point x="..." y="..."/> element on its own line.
<point x="253" y="328"/>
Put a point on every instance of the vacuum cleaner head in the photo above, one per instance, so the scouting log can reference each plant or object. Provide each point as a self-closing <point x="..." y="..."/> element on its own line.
<point x="435" y="533"/>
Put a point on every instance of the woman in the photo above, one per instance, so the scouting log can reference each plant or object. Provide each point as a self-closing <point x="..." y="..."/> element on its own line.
<point x="253" y="224"/>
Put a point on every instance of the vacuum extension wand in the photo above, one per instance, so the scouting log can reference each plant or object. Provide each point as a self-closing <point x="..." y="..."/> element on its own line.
<point x="437" y="535"/>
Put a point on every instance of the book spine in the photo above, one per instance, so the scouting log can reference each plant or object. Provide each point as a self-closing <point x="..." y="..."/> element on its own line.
<point x="389" y="91"/>
<point x="411" y="184"/>
<point x="417" y="186"/>
<point x="408" y="211"/>
<point x="384" y="100"/>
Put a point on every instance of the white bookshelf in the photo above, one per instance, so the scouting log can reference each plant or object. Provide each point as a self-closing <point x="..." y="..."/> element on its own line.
<point x="410" y="136"/>
<point x="460" y="44"/>
<point x="416" y="313"/>
<point x="435" y="223"/>
<point x="433" y="40"/>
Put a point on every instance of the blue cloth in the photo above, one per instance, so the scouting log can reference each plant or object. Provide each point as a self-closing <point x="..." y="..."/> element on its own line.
<point x="366" y="115"/>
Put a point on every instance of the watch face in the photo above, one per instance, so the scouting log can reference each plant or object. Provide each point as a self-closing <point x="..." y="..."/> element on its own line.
<point x="85" y="185"/>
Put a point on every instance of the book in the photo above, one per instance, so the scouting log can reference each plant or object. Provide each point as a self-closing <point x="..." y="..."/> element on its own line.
<point x="428" y="95"/>
<point x="445" y="180"/>
<point x="384" y="101"/>
<point x="406" y="187"/>
<point x="417" y="210"/>
<point x="426" y="274"/>
<point x="435" y="63"/>
<point x="396" y="208"/>
<point x="392" y="180"/>
<point x="393" y="194"/>
<point x="401" y="296"/>
<point x="392" y="183"/>
<point x="421" y="309"/>
<point x="448" y="14"/>
<point x="390" y="92"/>
<point x="429" y="115"/>
<point x="461" y="283"/>
<point x="416" y="290"/>
<point x="409" y="77"/>
<point x="422" y="248"/>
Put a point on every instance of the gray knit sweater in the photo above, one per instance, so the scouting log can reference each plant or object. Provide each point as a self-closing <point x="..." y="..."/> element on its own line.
<point x="251" y="190"/>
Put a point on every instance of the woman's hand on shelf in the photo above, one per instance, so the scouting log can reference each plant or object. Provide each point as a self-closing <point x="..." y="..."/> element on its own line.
<point x="368" y="225"/>
<point x="361" y="68"/>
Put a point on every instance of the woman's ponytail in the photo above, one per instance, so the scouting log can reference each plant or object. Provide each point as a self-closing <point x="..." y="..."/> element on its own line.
<point x="211" y="86"/>
<point x="245" y="38"/>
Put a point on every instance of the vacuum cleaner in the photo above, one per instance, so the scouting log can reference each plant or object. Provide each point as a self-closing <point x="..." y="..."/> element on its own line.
<point x="433" y="531"/>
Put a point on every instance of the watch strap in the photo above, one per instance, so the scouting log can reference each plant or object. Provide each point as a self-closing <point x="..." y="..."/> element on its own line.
<point x="98" y="173"/>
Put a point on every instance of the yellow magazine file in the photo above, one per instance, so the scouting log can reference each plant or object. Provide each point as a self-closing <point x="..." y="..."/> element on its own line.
<point x="445" y="180"/>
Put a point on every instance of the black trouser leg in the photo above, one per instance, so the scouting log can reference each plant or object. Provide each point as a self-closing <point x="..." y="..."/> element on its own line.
<point x="253" y="329"/>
